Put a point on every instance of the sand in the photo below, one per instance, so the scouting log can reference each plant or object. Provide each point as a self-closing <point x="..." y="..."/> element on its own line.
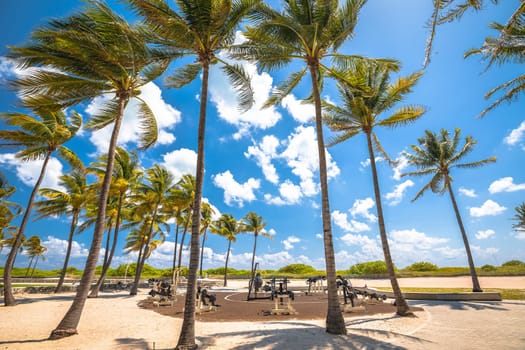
<point x="114" y="321"/>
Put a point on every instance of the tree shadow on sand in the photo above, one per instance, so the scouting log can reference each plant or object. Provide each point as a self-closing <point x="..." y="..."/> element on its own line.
<point x="27" y="299"/>
<point x="304" y="336"/>
<point x="468" y="306"/>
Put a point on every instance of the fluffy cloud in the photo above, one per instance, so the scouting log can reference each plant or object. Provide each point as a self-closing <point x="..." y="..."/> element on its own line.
<point x="57" y="247"/>
<point x="300" y="111"/>
<point x="484" y="234"/>
<point x="505" y="184"/>
<point x="516" y="135"/>
<point x="166" y="115"/>
<point x="361" y="208"/>
<point x="290" y="241"/>
<point x="263" y="154"/>
<point x="402" y="164"/>
<point x="368" y="247"/>
<point x="488" y="208"/>
<point x="28" y="172"/>
<point x="289" y="194"/>
<point x="234" y="191"/>
<point x="396" y="196"/>
<point x="341" y="220"/>
<point x="467" y="192"/>
<point x="180" y="162"/>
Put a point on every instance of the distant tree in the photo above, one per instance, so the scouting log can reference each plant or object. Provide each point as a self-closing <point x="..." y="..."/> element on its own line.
<point x="34" y="249"/>
<point x="513" y="263"/>
<point x="422" y="266"/>
<point x="297" y="269"/>
<point x="228" y="227"/>
<point x="206" y="213"/>
<point x="519" y="219"/>
<point x="437" y="155"/>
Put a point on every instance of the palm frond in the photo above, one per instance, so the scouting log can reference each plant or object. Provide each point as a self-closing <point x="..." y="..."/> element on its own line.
<point x="149" y="131"/>
<point x="285" y="88"/>
<point x="183" y="75"/>
<point x="241" y="82"/>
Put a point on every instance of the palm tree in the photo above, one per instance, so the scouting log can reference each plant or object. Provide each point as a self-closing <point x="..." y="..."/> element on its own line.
<point x="126" y="176"/>
<point x="201" y="28"/>
<point x="8" y="210"/>
<point x="437" y="155"/>
<point x="40" y="137"/>
<point x="519" y="217"/>
<point x="89" y="54"/>
<point x="311" y="31"/>
<point x="34" y="249"/>
<point x="228" y="227"/>
<point x="71" y="201"/>
<point x="362" y="106"/>
<point x="508" y="47"/>
<point x="143" y="240"/>
<point x="206" y="213"/>
<point x="149" y="198"/>
<point x="254" y="223"/>
<point x="447" y="11"/>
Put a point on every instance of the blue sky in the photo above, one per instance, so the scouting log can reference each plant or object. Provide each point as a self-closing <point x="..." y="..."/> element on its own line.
<point x="265" y="160"/>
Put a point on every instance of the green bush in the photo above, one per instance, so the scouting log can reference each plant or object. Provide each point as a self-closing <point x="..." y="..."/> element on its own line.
<point x="369" y="268"/>
<point x="513" y="263"/>
<point x="297" y="269"/>
<point x="488" y="268"/>
<point x="422" y="266"/>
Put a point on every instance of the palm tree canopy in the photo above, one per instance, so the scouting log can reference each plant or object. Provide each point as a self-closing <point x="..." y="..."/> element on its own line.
<point x="437" y="155"/>
<point x="519" y="218"/>
<point x="200" y="28"/>
<point x="508" y="47"/>
<point x="89" y="54"/>
<point x="226" y="226"/>
<point x="367" y="94"/>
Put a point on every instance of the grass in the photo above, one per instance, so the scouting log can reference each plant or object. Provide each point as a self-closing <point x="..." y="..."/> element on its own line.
<point x="507" y="294"/>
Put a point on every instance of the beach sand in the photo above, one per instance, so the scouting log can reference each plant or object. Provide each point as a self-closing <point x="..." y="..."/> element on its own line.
<point x="114" y="321"/>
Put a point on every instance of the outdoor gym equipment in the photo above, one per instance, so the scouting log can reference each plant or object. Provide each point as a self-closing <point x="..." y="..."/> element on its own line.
<point x="256" y="284"/>
<point x="205" y="301"/>
<point x="315" y="284"/>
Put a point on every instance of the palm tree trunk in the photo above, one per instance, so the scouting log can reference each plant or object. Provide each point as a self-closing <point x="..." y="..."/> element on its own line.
<point x="108" y="241"/>
<point x="335" y="323"/>
<point x="34" y="266"/>
<point x="174" y="268"/>
<point x="252" y="274"/>
<point x="401" y="304"/>
<point x="475" y="283"/>
<point x="74" y="221"/>
<point x="202" y="252"/>
<point x="187" y="334"/>
<point x="142" y="261"/>
<point x="9" y="299"/>
<point x="186" y="223"/>
<point x="29" y="266"/>
<point x="68" y="325"/>
<point x="226" y="264"/>
<point x="105" y="268"/>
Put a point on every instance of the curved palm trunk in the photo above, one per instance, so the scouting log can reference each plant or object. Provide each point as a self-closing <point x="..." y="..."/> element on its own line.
<point x="202" y="251"/>
<point x="475" y="283"/>
<point x="226" y="264"/>
<point x="108" y="241"/>
<point x="68" y="251"/>
<point x="34" y="266"/>
<point x="68" y="325"/>
<point x="401" y="304"/>
<point x="9" y="299"/>
<point x="174" y="268"/>
<point x="252" y="276"/>
<point x="335" y="323"/>
<point x="187" y="333"/>
<point x="182" y="243"/>
<point x="105" y="268"/>
<point x="29" y="266"/>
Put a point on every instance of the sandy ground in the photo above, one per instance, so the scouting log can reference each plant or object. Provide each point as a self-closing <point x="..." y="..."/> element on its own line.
<point x="113" y="321"/>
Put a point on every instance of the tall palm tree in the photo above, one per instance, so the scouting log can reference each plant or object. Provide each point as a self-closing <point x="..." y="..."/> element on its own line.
<point x="34" y="249"/>
<point x="206" y="213"/>
<point x="362" y="109"/>
<point x="92" y="53"/>
<point x="200" y="28"/>
<point x="228" y="227"/>
<point x="40" y="138"/>
<point x="149" y="198"/>
<point x="447" y="11"/>
<point x="311" y="31"/>
<point x="437" y="155"/>
<point x="143" y="239"/>
<point x="519" y="218"/>
<point x="71" y="202"/>
<point x="254" y="223"/>
<point x="126" y="176"/>
<point x="507" y="47"/>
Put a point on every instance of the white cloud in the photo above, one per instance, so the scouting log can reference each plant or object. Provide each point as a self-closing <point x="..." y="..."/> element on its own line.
<point x="180" y="162"/>
<point x="396" y="196"/>
<point x="341" y="220"/>
<point x="290" y="241"/>
<point x="234" y="191"/>
<point x="467" y="192"/>
<point x="520" y="235"/>
<point x="300" y="111"/>
<point x="368" y="247"/>
<point x="302" y="156"/>
<point x="484" y="234"/>
<point x="505" y="184"/>
<point x="366" y="163"/>
<point x="57" y="247"/>
<point x="28" y="172"/>
<point x="319" y="236"/>
<point x="361" y="208"/>
<point x="516" y="135"/>
<point x="165" y="114"/>
<point x="417" y="240"/>
<point x="289" y="194"/>
<point x="263" y="154"/>
<point x="488" y="208"/>
<point x="402" y="164"/>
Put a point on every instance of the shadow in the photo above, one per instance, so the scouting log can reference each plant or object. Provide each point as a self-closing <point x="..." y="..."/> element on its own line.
<point x="27" y="299"/>
<point x="305" y="336"/>
<point x="25" y="341"/>
<point x="467" y="305"/>
<point x="132" y="343"/>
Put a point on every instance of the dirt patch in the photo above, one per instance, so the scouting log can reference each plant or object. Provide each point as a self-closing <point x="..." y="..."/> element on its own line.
<point x="233" y="307"/>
